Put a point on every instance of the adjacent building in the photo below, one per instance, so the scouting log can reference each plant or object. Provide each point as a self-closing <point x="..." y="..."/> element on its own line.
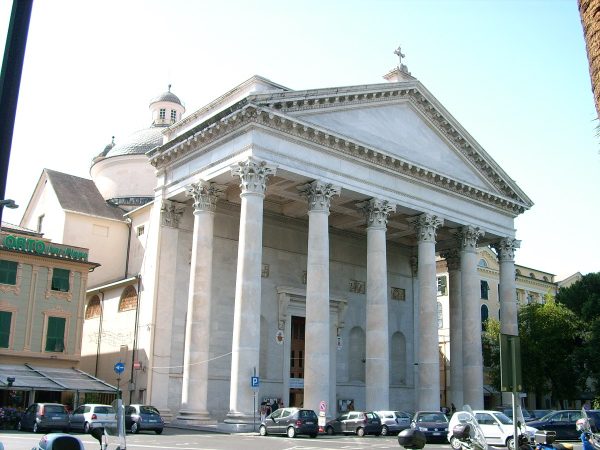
<point x="286" y="243"/>
<point x="42" y="302"/>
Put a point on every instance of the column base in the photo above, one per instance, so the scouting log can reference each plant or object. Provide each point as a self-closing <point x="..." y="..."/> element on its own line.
<point x="186" y="417"/>
<point x="239" y="418"/>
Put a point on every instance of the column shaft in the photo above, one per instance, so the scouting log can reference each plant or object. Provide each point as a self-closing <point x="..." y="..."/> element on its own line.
<point x="472" y="353"/>
<point x="456" y="331"/>
<point x="377" y="342"/>
<point x="194" y="393"/>
<point x="245" y="350"/>
<point x="507" y="293"/>
<point x="318" y="327"/>
<point x="428" y="390"/>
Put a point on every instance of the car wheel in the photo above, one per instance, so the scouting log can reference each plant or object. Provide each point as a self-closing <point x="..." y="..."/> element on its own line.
<point x="385" y="430"/>
<point x="455" y="443"/>
<point x="510" y="443"/>
<point x="291" y="432"/>
<point x="360" y="432"/>
<point x="86" y="427"/>
<point x="330" y="431"/>
<point x="35" y="428"/>
<point x="134" y="428"/>
<point x="159" y="431"/>
<point x="313" y="436"/>
<point x="262" y="430"/>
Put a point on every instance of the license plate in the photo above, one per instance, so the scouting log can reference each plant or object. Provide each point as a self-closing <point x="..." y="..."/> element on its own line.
<point x="309" y="423"/>
<point x="56" y="418"/>
<point x="152" y="420"/>
<point x="437" y="434"/>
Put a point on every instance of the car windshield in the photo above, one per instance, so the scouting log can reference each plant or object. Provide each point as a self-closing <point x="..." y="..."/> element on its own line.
<point x="432" y="417"/>
<point x="149" y="410"/>
<point x="503" y="418"/>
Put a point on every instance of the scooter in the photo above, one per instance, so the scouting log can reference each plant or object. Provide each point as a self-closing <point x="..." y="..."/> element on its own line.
<point x="590" y="437"/>
<point x="58" y="441"/>
<point x="466" y="430"/>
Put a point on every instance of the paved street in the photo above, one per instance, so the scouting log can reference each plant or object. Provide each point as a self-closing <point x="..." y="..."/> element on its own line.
<point x="177" y="439"/>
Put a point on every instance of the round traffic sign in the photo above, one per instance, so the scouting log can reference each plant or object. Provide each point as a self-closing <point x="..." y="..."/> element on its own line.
<point x="322" y="406"/>
<point x="119" y="368"/>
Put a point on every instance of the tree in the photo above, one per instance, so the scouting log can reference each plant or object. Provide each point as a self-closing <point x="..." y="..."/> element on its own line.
<point x="583" y="298"/>
<point x="548" y="334"/>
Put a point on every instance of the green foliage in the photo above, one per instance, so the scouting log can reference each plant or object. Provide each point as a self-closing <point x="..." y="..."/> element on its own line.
<point x="548" y="334"/>
<point x="583" y="298"/>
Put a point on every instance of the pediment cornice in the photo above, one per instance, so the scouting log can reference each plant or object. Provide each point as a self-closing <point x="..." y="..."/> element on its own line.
<point x="275" y="118"/>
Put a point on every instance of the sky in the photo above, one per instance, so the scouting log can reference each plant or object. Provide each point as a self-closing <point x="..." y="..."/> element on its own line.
<point x="513" y="73"/>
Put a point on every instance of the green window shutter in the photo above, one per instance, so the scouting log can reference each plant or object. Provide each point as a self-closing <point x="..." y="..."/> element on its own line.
<point x="55" y="337"/>
<point x="8" y="272"/>
<point x="60" y="280"/>
<point x="5" y="319"/>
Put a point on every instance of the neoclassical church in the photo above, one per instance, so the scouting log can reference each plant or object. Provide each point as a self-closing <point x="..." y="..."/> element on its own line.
<point x="282" y="244"/>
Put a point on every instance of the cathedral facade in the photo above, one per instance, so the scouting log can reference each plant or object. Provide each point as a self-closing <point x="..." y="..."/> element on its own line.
<point x="282" y="244"/>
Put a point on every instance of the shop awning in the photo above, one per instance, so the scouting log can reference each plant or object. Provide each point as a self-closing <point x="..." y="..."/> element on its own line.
<point x="29" y="377"/>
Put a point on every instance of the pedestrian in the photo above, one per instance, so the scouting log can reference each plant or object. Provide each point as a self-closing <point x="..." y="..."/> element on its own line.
<point x="263" y="411"/>
<point x="274" y="405"/>
<point x="452" y="408"/>
<point x="587" y="405"/>
<point x="350" y="405"/>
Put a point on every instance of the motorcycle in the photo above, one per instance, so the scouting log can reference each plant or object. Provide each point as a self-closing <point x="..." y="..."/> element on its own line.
<point x="590" y="437"/>
<point x="466" y="430"/>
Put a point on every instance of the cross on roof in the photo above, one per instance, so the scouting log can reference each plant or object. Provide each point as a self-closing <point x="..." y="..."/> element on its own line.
<point x="401" y="55"/>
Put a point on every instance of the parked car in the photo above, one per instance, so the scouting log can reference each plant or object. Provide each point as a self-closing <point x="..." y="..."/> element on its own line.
<point x="497" y="428"/>
<point x="40" y="417"/>
<point x="539" y="413"/>
<point x="92" y="415"/>
<point x="291" y="421"/>
<point x="358" y="422"/>
<point x="143" y="417"/>
<point x="434" y="424"/>
<point x="562" y="422"/>
<point x="507" y="410"/>
<point x="393" y="421"/>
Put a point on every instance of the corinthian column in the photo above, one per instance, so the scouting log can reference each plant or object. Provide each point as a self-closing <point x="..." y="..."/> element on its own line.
<point x="508" y="301"/>
<point x="377" y="352"/>
<point x="471" y="314"/>
<point x="456" y="333"/>
<point x="428" y="390"/>
<point x="317" y="336"/>
<point x="245" y="350"/>
<point x="194" y="391"/>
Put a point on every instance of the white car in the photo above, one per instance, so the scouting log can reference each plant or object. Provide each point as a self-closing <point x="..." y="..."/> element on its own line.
<point x="92" y="415"/>
<point x="497" y="428"/>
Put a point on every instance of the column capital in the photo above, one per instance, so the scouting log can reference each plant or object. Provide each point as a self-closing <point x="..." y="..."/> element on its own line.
<point x="376" y="212"/>
<point x="205" y="195"/>
<point x="319" y="195"/>
<point x="426" y="225"/>
<point x="506" y="248"/>
<point x="253" y="175"/>
<point x="170" y="213"/>
<point x="468" y="236"/>
<point x="452" y="258"/>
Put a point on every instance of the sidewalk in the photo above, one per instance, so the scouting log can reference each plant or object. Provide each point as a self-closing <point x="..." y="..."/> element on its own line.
<point x="223" y="428"/>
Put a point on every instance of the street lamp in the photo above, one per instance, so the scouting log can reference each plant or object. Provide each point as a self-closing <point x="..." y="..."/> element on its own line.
<point x="9" y="203"/>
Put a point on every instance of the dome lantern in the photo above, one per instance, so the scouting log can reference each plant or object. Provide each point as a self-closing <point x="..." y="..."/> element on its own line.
<point x="166" y="109"/>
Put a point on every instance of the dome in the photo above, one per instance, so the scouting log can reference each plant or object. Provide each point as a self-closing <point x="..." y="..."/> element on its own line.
<point x="138" y="143"/>
<point x="167" y="97"/>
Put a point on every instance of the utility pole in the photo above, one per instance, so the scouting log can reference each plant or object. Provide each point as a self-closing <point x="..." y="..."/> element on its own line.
<point x="10" y="81"/>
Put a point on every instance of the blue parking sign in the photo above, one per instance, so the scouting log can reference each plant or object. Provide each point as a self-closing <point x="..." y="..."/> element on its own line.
<point x="254" y="382"/>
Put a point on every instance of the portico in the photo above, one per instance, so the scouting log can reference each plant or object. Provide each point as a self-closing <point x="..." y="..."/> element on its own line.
<point x="326" y="196"/>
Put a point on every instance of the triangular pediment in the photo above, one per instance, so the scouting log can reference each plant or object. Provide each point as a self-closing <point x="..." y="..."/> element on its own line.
<point x="401" y="131"/>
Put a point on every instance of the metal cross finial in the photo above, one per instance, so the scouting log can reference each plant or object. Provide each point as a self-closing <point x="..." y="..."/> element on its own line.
<point x="401" y="55"/>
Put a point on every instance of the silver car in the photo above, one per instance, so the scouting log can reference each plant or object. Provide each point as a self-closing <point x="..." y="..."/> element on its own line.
<point x="393" y="422"/>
